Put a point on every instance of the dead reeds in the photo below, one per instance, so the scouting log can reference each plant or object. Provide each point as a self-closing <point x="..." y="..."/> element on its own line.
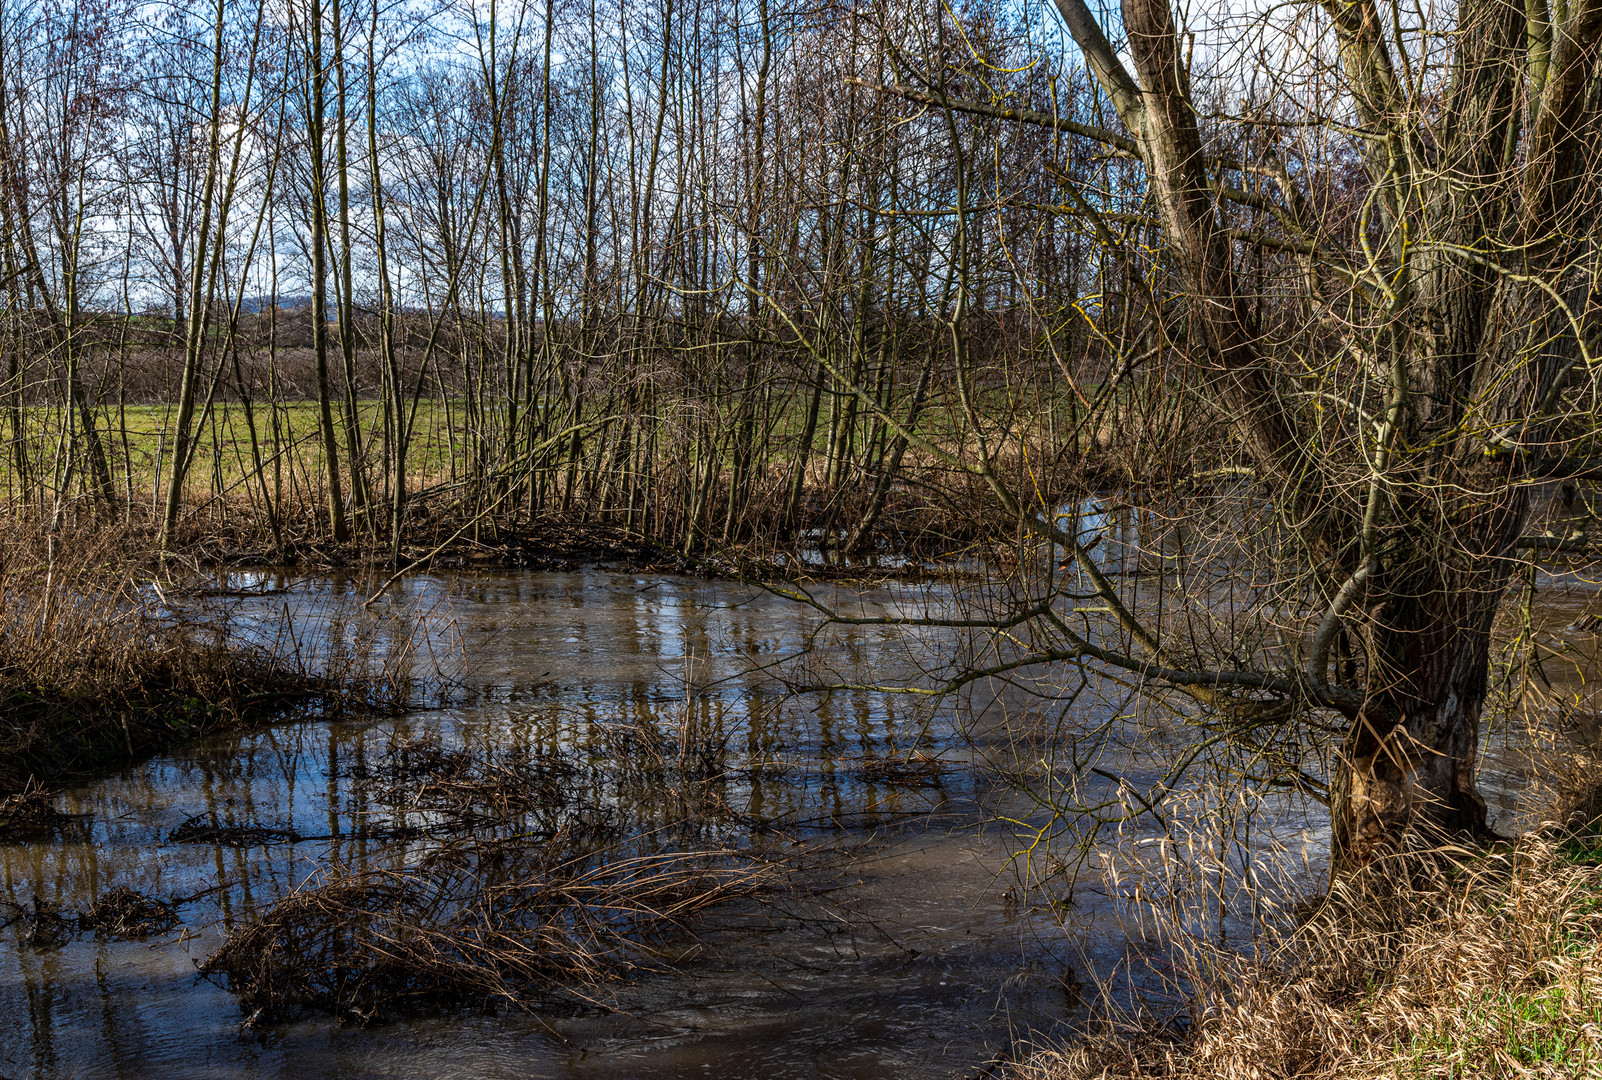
<point x="1483" y="966"/>
<point x="509" y="924"/>
<point x="459" y="790"/>
<point x="100" y="660"/>
<point x="513" y="882"/>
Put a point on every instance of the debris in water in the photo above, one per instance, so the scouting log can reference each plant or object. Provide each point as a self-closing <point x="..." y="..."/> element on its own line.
<point x="31" y="811"/>
<point x="42" y="926"/>
<point x="917" y="769"/>
<point x="485" y="924"/>
<point x="128" y="913"/>
<point x="199" y="830"/>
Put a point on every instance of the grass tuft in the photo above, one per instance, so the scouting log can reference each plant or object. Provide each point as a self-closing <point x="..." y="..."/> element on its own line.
<point x="98" y="664"/>
<point x="1485" y="968"/>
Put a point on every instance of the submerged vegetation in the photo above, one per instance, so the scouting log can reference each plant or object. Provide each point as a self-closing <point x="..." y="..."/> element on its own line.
<point x="519" y="881"/>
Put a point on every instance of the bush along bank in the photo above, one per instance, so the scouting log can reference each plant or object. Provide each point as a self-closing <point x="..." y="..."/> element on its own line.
<point x="1443" y="966"/>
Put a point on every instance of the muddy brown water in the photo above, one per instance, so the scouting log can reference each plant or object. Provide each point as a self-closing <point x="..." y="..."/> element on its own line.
<point x="930" y="969"/>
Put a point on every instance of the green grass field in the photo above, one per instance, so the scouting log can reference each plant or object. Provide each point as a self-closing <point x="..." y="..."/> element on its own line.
<point x="138" y="440"/>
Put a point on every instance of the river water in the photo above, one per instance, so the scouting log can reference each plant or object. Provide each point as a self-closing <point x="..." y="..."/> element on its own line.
<point x="928" y="967"/>
<point x="915" y="957"/>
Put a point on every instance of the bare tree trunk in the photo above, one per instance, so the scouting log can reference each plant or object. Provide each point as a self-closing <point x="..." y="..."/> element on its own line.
<point x="198" y="316"/>
<point x="347" y="303"/>
<point x="316" y="111"/>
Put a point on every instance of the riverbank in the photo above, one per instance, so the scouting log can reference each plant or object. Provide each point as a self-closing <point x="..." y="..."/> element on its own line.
<point x="624" y="706"/>
<point x="237" y="536"/>
<point x="1484" y="966"/>
<point x="1468" y="964"/>
<point x="101" y="662"/>
<point x="107" y="653"/>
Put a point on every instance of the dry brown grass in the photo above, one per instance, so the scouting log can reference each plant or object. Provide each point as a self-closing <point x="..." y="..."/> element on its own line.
<point x="1483" y="966"/>
<point x="514" y="923"/>
<point x="99" y="661"/>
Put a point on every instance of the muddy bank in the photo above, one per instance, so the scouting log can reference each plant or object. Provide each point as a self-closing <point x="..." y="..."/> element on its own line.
<point x="560" y="547"/>
<point x="101" y="661"/>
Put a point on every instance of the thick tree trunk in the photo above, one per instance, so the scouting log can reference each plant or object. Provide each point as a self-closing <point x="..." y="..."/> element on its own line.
<point x="1407" y="768"/>
<point x="1413" y="770"/>
<point x="1468" y="351"/>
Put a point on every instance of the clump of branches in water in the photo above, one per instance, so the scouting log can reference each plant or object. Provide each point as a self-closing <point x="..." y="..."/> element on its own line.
<point x="120" y="913"/>
<point x="517" y="887"/>
<point x="31" y="812"/>
<point x="125" y="912"/>
<point x="515" y="922"/>
<point x="100" y="661"/>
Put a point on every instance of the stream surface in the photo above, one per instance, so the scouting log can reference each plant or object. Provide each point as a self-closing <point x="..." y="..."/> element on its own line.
<point x="927" y="967"/>
<point x="932" y="972"/>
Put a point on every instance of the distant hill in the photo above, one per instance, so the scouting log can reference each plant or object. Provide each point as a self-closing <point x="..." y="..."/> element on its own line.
<point x="255" y="305"/>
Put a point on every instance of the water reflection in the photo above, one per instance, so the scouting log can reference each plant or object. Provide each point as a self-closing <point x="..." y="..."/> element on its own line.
<point x="555" y="661"/>
<point x="936" y="967"/>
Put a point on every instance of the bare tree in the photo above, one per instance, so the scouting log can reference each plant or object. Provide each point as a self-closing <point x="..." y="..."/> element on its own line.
<point x="1419" y="212"/>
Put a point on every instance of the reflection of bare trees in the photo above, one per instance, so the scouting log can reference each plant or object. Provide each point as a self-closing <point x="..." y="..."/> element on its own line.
<point x="1371" y="278"/>
<point x="1363" y="251"/>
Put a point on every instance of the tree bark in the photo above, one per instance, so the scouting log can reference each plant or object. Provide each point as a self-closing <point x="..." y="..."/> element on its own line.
<point x="1407" y="768"/>
<point x="1441" y="524"/>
